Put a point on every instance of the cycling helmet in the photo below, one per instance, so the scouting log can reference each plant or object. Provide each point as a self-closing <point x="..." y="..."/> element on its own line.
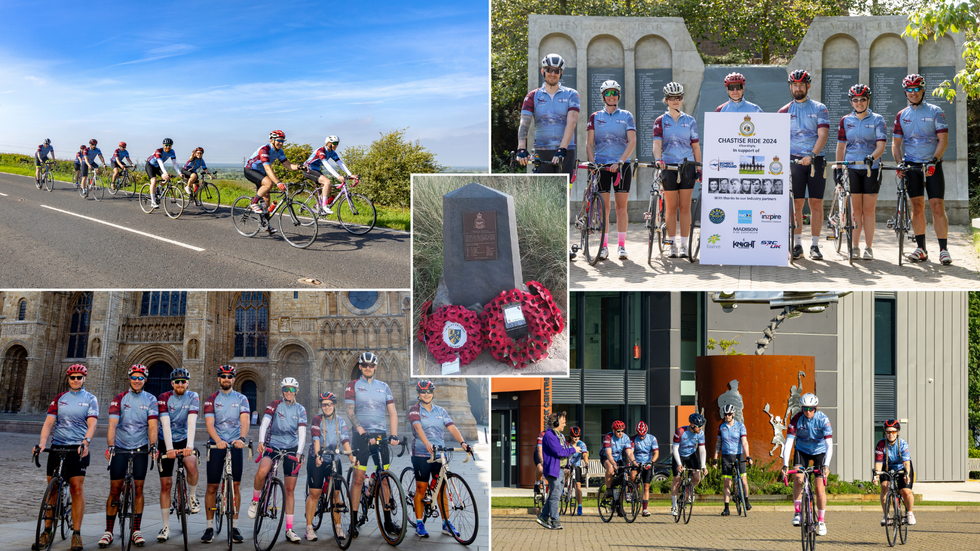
<point x="122" y="145"/>
<point x="47" y="141"/>
<point x="799" y="75"/>
<point x="892" y="424"/>
<point x="674" y="89"/>
<point x="809" y="400"/>
<point x="859" y="91"/>
<point x="734" y="78"/>
<point x="139" y="368"/>
<point x="368" y="358"/>
<point x="82" y="147"/>
<point x="226" y="370"/>
<point x="168" y="141"/>
<point x="331" y="139"/>
<point x="77" y="368"/>
<point x="914" y="79"/>
<point x="553" y="60"/>
<point x="425" y="384"/>
<point x="93" y="141"/>
<point x="619" y="425"/>
<point x="729" y="408"/>
<point x="277" y="135"/>
<point x="328" y="396"/>
<point x="201" y="149"/>
<point x="696" y="420"/>
<point x="610" y="85"/>
<point x="641" y="428"/>
<point x="180" y="373"/>
<point x="576" y="432"/>
<point x="289" y="381"/>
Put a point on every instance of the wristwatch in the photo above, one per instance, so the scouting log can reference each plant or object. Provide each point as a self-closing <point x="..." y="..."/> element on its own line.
<point x="89" y="440"/>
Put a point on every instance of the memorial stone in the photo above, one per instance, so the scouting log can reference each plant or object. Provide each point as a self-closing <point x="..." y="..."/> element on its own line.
<point x="887" y="99"/>
<point x="598" y="75"/>
<point x="649" y="105"/>
<point x="836" y="83"/>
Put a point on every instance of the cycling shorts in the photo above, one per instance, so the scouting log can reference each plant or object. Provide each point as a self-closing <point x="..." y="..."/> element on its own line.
<point x="607" y="179"/>
<point x="288" y="465"/>
<point x="153" y="171"/>
<point x="687" y="179"/>
<point x="425" y="471"/>
<point x="935" y="185"/>
<point x="164" y="465"/>
<point x="75" y="464"/>
<point x="317" y="476"/>
<point x="729" y="464"/>
<point x="900" y="483"/>
<point x="363" y="453"/>
<point x="646" y="475"/>
<point x="803" y="182"/>
<point x="802" y="459"/>
<point x="254" y="176"/>
<point x="117" y="467"/>
<point x="312" y="175"/>
<point x="85" y="168"/>
<point x="216" y="464"/>
<point x="692" y="461"/>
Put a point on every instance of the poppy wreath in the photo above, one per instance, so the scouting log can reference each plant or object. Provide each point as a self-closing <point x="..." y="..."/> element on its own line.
<point x="543" y="318"/>
<point x="451" y="330"/>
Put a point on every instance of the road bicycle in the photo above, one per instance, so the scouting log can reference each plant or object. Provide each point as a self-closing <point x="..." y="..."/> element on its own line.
<point x="383" y="493"/>
<point x="567" y="490"/>
<point x="207" y="196"/>
<point x="685" y="496"/>
<point x="540" y="494"/>
<point x="840" y="220"/>
<point x="96" y="185"/>
<point x="622" y="497"/>
<point x="179" y="500"/>
<point x="224" y="505"/>
<point x="56" y="503"/>
<point x="456" y="504"/>
<point x="47" y="180"/>
<point x="338" y="508"/>
<point x="355" y="212"/>
<point x="271" y="511"/>
<point x="127" y="496"/>
<point x="896" y="527"/>
<point x="902" y="221"/>
<point x="591" y="219"/>
<point x="297" y="222"/>
<point x="125" y="182"/>
<point x="170" y="197"/>
<point x="738" y="490"/>
<point x="808" y="509"/>
<point x="654" y="219"/>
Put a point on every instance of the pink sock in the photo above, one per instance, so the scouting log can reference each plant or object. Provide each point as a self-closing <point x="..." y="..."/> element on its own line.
<point x="256" y="494"/>
<point x="605" y="240"/>
<point x="797" y="505"/>
<point x="622" y="239"/>
<point x="820" y="516"/>
<point x="289" y="522"/>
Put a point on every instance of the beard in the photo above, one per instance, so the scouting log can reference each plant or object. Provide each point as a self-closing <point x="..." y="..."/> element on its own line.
<point x="225" y="384"/>
<point x="180" y="391"/>
<point x="799" y="94"/>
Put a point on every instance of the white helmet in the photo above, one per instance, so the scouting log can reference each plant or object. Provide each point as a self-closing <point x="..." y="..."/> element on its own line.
<point x="289" y="381"/>
<point x="809" y="400"/>
<point x="673" y="89"/>
<point x="331" y="139"/>
<point x="610" y="85"/>
<point x="553" y="60"/>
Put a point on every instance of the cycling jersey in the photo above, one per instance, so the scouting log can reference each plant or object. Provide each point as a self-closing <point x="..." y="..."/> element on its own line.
<point x="550" y="112"/>
<point x="539" y="448"/>
<point x="226" y="410"/>
<point x="72" y="410"/>
<point x="78" y="157"/>
<point x="687" y="440"/>
<point x="177" y="408"/>
<point x="643" y="447"/>
<point x="804" y="120"/>
<point x="811" y="434"/>
<point x="44" y="150"/>
<point x="610" y="134"/>
<point x="676" y="137"/>
<point x="119" y="155"/>
<point x="862" y="135"/>
<point x="738" y="107"/>
<point x="133" y="410"/>
<point x="617" y="445"/>
<point x="265" y="154"/>
<point x="432" y="423"/>
<point x="93" y="152"/>
<point x="195" y="164"/>
<point x="317" y="161"/>
<point x="286" y="420"/>
<point x="919" y="127"/>
<point x="731" y="437"/>
<point x="576" y="458"/>
<point x="326" y="432"/>
<point x="370" y="401"/>
<point x="892" y="456"/>
<point x="160" y="156"/>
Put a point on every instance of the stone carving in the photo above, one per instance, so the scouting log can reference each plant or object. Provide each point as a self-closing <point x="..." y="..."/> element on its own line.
<point x="152" y="329"/>
<point x="192" y="349"/>
<point x="778" y="440"/>
<point x="284" y="325"/>
<point x="732" y="397"/>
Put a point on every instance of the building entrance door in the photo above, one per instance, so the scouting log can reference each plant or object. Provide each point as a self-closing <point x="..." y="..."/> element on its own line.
<point x="503" y="441"/>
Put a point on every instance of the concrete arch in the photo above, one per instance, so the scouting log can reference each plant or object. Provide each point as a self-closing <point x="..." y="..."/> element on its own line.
<point x="152" y="353"/>
<point x="889" y="50"/>
<point x="561" y="44"/>
<point x="653" y="52"/>
<point x="841" y="51"/>
<point x="262" y="395"/>
<point x="937" y="53"/>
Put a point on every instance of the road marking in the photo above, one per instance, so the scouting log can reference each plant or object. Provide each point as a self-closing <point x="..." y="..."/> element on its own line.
<point x="3" y="194"/>
<point x="150" y="235"/>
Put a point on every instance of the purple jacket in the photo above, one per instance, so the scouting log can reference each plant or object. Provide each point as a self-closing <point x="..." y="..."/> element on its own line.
<point x="554" y="450"/>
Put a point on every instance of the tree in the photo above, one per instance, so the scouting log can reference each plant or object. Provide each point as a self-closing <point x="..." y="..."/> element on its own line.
<point x="386" y="167"/>
<point x="934" y="20"/>
<point x="973" y="383"/>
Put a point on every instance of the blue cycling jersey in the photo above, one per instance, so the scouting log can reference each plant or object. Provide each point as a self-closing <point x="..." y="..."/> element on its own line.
<point x="195" y="164"/>
<point x="432" y="422"/>
<point x="805" y="118"/>
<point x="644" y="446"/>
<point x="617" y="445"/>
<point x="731" y="437"/>
<point x="318" y="157"/>
<point x="919" y="127"/>
<point x="676" y="137"/>
<point x="610" y="134"/>
<point x="265" y="155"/>
<point x="72" y="410"/>
<point x="133" y="410"/>
<point x="331" y="433"/>
<point x="550" y="114"/>
<point x="93" y="152"/>
<point x="738" y="107"/>
<point x="811" y="434"/>
<point x="688" y="440"/>
<point x="45" y="150"/>
<point x="575" y="459"/>
<point x="370" y="401"/>
<point x="177" y="408"/>
<point x="286" y="420"/>
<point x="892" y="456"/>
<point x="160" y="156"/>
<point x="862" y="135"/>
<point x="119" y="154"/>
<point x="226" y="410"/>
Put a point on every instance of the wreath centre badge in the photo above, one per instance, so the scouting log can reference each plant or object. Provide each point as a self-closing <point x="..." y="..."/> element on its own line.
<point x="454" y="334"/>
<point x="747" y="128"/>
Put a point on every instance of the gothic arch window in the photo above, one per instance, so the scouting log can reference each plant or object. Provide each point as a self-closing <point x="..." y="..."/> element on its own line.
<point x="78" y="327"/>
<point x="252" y="325"/>
<point x="164" y="303"/>
<point x="22" y="310"/>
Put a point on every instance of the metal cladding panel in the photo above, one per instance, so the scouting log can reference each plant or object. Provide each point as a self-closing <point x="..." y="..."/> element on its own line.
<point x="605" y="386"/>
<point x="567" y="391"/>
<point x="853" y="437"/>
<point x="637" y="387"/>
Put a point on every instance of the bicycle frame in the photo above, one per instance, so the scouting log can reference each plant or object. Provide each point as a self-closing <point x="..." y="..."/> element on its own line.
<point x="808" y="511"/>
<point x="902" y="221"/>
<point x="592" y="215"/>
<point x="896" y="527"/>
<point x="61" y="509"/>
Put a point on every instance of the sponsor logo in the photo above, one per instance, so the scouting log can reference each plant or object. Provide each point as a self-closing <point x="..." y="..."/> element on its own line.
<point x="769" y="217"/>
<point x="747" y="128"/>
<point x="775" y="167"/>
<point x="714" y="239"/>
<point x="745" y="229"/>
<point x="717" y="216"/>
<point x="454" y="334"/>
<point x="745" y="217"/>
<point x="743" y="244"/>
<point x="720" y="164"/>
<point x="771" y="244"/>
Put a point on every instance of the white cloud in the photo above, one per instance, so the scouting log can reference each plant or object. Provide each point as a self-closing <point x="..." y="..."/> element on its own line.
<point x="34" y="79"/>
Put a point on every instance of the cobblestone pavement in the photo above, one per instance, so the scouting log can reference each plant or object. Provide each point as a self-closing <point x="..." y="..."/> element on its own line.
<point x="23" y="485"/>
<point x="834" y="272"/>
<point x="707" y="530"/>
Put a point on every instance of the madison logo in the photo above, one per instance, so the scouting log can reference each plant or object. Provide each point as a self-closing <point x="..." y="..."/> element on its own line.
<point x="454" y="334"/>
<point x="717" y="216"/>
<point x="718" y="165"/>
<point x="747" y="128"/>
<point x="745" y="217"/>
<point x="743" y="244"/>
<point x="775" y="167"/>
<point x="745" y="229"/>
<point x="769" y="217"/>
<point x="772" y="244"/>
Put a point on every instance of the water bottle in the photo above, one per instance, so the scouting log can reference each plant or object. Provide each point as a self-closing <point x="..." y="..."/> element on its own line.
<point x="616" y="494"/>
<point x="272" y="207"/>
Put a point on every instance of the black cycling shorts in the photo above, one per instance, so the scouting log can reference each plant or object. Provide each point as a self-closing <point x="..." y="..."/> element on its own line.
<point x="85" y="168"/>
<point x="861" y="183"/>
<point x="729" y="464"/>
<point x="216" y="464"/>
<point x="37" y="162"/>
<point x="687" y="179"/>
<point x="801" y="459"/>
<point x="646" y="475"/>
<point x="317" y="476"/>
<point x="75" y="464"/>
<point x="152" y="171"/>
<point x="803" y="182"/>
<point x="935" y="185"/>
<point x="900" y="483"/>
<point x="537" y="457"/>
<point x="607" y="179"/>
<point x="312" y="175"/>
<point x="164" y="465"/>
<point x="187" y="173"/>
<point x="254" y="176"/>
<point x="425" y="471"/>
<point x="547" y="167"/>
<point x="692" y="462"/>
<point x="116" y="163"/>
<point x="288" y="465"/>
<point x="363" y="453"/>
<point x="117" y="467"/>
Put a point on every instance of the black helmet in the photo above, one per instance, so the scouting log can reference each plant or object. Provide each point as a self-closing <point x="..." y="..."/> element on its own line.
<point x="893" y="424"/>
<point x="799" y="75"/>
<point x="696" y="419"/>
<point x="180" y="373"/>
<point x="168" y="141"/>
<point x="425" y="384"/>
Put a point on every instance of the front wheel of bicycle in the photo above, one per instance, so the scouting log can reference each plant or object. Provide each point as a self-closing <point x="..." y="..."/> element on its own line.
<point x="66" y="526"/>
<point x="173" y="201"/>
<point x="219" y="510"/>
<point x="632" y="506"/>
<point x="128" y="186"/>
<point x="48" y="181"/>
<point x="341" y="511"/>
<point x="462" y="516"/>
<point x="891" y="524"/>
<point x="180" y="500"/>
<point x="900" y="214"/>
<point x="247" y="221"/>
<point x="229" y="509"/>
<point x="605" y="504"/>
<point x="113" y="187"/>
<point x="127" y="514"/>
<point x="97" y="188"/>
<point x="47" y="513"/>
<point x="145" y="199"/>
<point x="270" y="516"/>
<point x="594" y="228"/>
<point x="808" y="521"/>
<point x="848" y="227"/>
<point x="297" y="224"/>
<point x="903" y="526"/>
<point x="408" y="484"/>
<point x="210" y="197"/>
<point x="356" y="215"/>
<point x="389" y="507"/>
<point x="688" y="501"/>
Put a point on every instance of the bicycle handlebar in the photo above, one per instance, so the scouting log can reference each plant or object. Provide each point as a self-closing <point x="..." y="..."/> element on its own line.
<point x="807" y="470"/>
<point x="594" y="167"/>
<point x="812" y="168"/>
<point x="846" y="164"/>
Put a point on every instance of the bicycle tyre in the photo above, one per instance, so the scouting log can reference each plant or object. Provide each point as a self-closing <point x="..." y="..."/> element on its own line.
<point x="808" y="530"/>
<point x="605" y="504"/>
<point x="180" y="495"/>
<point x="300" y="227"/>
<point x="688" y="500"/>
<point x="219" y="510"/>
<point x="173" y="201"/>
<point x="247" y="221"/>
<point x="408" y="481"/>
<point x="210" y="197"/>
<point x="463" y="514"/>
<point x="662" y="222"/>
<point x="112" y="187"/>
<point x="230" y="509"/>
<point x="792" y="227"/>
<point x="849" y="228"/>
<point x="891" y="525"/>
<point x="651" y="227"/>
<point x="694" y="238"/>
<point x="66" y="522"/>
<point x="128" y="186"/>
<point x="97" y="189"/>
<point x="633" y="491"/>
<point x="538" y="504"/>
<point x="360" y="212"/>
<point x="48" y="181"/>
<point x="594" y="229"/>
<point x="46" y="512"/>
<point x="129" y="495"/>
<point x="395" y="502"/>
<point x="145" y="201"/>
<point x="903" y="526"/>
<point x="270" y="516"/>
<point x="900" y="227"/>
<point x="345" y="513"/>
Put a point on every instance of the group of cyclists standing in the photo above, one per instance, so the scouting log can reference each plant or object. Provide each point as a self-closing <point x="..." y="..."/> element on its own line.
<point x="920" y="132"/>
<point x="166" y="426"/>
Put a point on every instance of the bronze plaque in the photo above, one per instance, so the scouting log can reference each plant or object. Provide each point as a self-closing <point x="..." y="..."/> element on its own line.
<point x="480" y="235"/>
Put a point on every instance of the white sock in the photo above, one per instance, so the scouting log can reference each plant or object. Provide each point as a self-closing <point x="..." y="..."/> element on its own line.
<point x="191" y="491"/>
<point x="234" y="523"/>
<point x="673" y="501"/>
<point x="814" y="240"/>
<point x="798" y="239"/>
<point x="165" y="513"/>
<point x="210" y="523"/>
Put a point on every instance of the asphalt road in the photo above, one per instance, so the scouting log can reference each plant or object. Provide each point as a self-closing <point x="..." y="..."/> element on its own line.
<point x="59" y="240"/>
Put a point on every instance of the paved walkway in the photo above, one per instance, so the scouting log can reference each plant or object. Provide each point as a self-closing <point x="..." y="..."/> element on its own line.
<point x="834" y="272"/>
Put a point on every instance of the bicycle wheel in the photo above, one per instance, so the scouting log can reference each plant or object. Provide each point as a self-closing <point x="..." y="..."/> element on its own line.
<point x="688" y="501"/>
<point x="651" y="226"/>
<point x="462" y="514"/>
<point x="563" y="499"/>
<point x="270" y="515"/>
<point x="145" y="199"/>
<point x="389" y="506"/>
<point x="848" y="228"/>
<point x="230" y="510"/>
<point x="48" y="181"/>
<point x="594" y="229"/>
<point x="662" y="222"/>
<point x="65" y="511"/>
<point x="39" y="182"/>
<point x="694" y="239"/>
<point x="210" y="197"/>
<point x="357" y="215"/>
<point x="219" y="510"/>
<point x="891" y="525"/>
<point x="48" y="512"/>
<point x="538" y="504"/>
<point x="604" y="504"/>
<point x="113" y="187"/>
<point x="407" y="480"/>
<point x="128" y="186"/>
<point x="180" y="499"/>
<point x="900" y="227"/>
<point x="247" y="221"/>
<point x="81" y="190"/>
<point x="808" y="529"/>
<point x="298" y="225"/>
<point x="632" y="507"/>
<point x="903" y="526"/>
<point x="129" y="495"/>
<point x="97" y="188"/>
<point x="173" y="201"/>
<point x="340" y="511"/>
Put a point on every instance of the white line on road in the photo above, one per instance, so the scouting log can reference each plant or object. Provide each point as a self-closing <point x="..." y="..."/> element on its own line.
<point x="3" y="194"/>
<point x="150" y="235"/>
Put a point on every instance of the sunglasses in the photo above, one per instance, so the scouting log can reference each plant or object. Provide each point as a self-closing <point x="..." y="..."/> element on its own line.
<point x="226" y="376"/>
<point x="365" y="366"/>
<point x="914" y="89"/>
<point x="729" y="414"/>
<point x="335" y="143"/>
<point x="180" y="382"/>
<point x="675" y="98"/>
<point x="856" y="100"/>
<point x="891" y="432"/>
<point x="137" y="378"/>
<point x="425" y="392"/>
<point x="610" y="93"/>
<point x="277" y="140"/>
<point x="809" y="409"/>
<point x="325" y="404"/>
<point x="554" y="70"/>
<point x="734" y="86"/>
<point x="289" y="389"/>
<point x="76" y="377"/>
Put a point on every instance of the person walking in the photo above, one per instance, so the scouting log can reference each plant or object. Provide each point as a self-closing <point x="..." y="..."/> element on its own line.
<point x="554" y="449"/>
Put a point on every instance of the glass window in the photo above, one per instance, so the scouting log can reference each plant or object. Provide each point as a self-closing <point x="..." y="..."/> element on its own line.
<point x="691" y="342"/>
<point x="598" y="421"/>
<point x="251" y="325"/>
<point x="603" y="321"/>
<point x="22" y="310"/>
<point x="81" y="314"/>
<point x="884" y="336"/>
<point x="164" y="303"/>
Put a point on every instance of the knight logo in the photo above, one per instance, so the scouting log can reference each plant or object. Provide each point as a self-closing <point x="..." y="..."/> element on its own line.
<point x="719" y="164"/>
<point x="772" y="244"/>
<point x="745" y="229"/>
<point x="769" y="217"/>
<point x="717" y="216"/>
<point x="745" y="217"/>
<point x="743" y="244"/>
<point x="454" y="334"/>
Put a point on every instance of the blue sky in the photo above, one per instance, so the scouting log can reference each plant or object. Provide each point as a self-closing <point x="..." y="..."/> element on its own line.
<point x="221" y="75"/>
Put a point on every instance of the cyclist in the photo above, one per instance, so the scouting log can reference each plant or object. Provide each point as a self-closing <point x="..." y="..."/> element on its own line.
<point x="554" y="450"/>
<point x="617" y="450"/>
<point x="890" y="452"/>
<point x="675" y="139"/>
<point x="861" y="137"/>
<point x="314" y="166"/>
<point x="178" y="420"/>
<point x="258" y="170"/>
<point x="120" y="157"/>
<point x="578" y="461"/>
<point x="687" y="440"/>
<point x="814" y="439"/>
<point x="70" y="422"/>
<point x="612" y="139"/>
<point x="133" y="416"/>
<point x="154" y="168"/>
<point x="82" y="152"/>
<point x="43" y="154"/>
<point x="427" y="422"/>
<point x="226" y="417"/>
<point x="283" y="429"/>
<point x="646" y="450"/>
<point x="922" y="128"/>
<point x="809" y="128"/>
<point x="88" y="163"/>
<point x="328" y="432"/>
<point x="735" y="84"/>
<point x="189" y="171"/>
<point x="732" y="441"/>
<point x="369" y="403"/>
